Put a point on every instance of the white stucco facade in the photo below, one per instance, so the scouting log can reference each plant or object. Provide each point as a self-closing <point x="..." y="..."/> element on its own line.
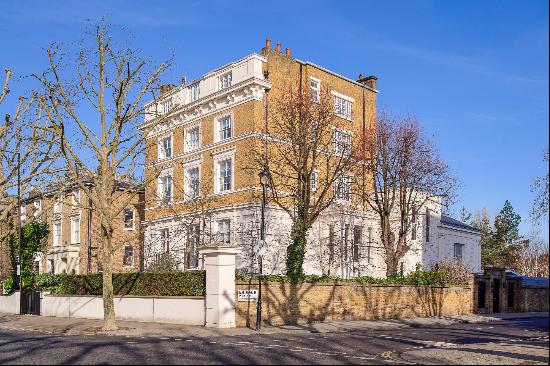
<point x="342" y="242"/>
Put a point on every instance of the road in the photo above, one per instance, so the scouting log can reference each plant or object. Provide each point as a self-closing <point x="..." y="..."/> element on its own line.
<point x="522" y="341"/>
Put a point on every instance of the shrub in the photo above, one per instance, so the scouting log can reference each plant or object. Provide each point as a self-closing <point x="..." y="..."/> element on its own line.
<point x="8" y="287"/>
<point x="454" y="271"/>
<point x="189" y="283"/>
<point x="165" y="262"/>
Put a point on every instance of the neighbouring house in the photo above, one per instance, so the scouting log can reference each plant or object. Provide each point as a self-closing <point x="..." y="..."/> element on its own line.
<point x="73" y="245"/>
<point x="201" y="192"/>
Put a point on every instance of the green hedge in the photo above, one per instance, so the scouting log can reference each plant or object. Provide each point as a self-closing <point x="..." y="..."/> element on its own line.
<point x="438" y="277"/>
<point x="189" y="283"/>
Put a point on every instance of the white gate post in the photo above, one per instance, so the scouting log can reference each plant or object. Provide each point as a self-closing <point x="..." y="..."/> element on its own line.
<point x="219" y="263"/>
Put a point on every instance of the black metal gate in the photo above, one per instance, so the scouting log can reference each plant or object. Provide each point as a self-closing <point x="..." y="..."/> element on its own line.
<point x="30" y="302"/>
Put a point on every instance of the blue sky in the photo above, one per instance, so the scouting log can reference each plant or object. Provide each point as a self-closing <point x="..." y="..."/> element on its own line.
<point x="474" y="72"/>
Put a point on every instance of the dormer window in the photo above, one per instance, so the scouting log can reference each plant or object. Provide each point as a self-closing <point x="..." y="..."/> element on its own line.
<point x="225" y="80"/>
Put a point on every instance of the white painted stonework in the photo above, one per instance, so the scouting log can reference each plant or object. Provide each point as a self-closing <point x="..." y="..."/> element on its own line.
<point x="176" y="310"/>
<point x="245" y="223"/>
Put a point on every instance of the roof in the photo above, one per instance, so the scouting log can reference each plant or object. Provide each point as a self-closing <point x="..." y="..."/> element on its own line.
<point x="534" y="281"/>
<point x="449" y="221"/>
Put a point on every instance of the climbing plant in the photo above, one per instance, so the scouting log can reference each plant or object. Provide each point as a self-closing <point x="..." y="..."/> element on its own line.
<point x="33" y="241"/>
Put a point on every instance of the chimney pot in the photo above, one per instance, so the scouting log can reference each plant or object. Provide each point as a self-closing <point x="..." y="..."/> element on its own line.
<point x="287" y="51"/>
<point x="278" y="47"/>
<point x="369" y="81"/>
<point x="267" y="43"/>
<point x="183" y="80"/>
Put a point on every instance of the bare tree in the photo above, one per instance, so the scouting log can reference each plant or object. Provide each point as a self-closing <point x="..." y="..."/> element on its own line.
<point x="26" y="148"/>
<point x="540" y="188"/>
<point x="530" y="258"/>
<point x="95" y="102"/>
<point x="303" y="163"/>
<point x="403" y="174"/>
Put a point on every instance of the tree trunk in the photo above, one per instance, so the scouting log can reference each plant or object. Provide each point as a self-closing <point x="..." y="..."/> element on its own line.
<point x="296" y="251"/>
<point x="109" y="323"/>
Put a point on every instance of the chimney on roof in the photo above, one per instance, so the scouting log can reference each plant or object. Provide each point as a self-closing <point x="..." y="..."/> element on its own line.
<point x="166" y="88"/>
<point x="369" y="81"/>
<point x="278" y="47"/>
<point x="287" y="51"/>
<point x="267" y="43"/>
<point x="183" y="80"/>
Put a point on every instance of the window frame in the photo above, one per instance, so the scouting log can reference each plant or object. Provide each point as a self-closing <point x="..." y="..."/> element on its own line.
<point x="314" y="180"/>
<point x="188" y="182"/>
<point x="228" y="233"/>
<point x="225" y="80"/>
<point x="74" y="240"/>
<point x="133" y="227"/>
<point x="161" y="191"/>
<point x="218" y="127"/>
<point x="131" y="257"/>
<point x="315" y="91"/>
<point x="340" y="104"/>
<point x="167" y="105"/>
<point x="461" y="246"/>
<point x="188" y="130"/>
<point x="162" y="149"/>
<point x="194" y="92"/>
<point x="57" y="239"/>
<point x="337" y="182"/>
<point x="340" y="148"/>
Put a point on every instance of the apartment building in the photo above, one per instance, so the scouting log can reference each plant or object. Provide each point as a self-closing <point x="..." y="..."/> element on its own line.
<point x="201" y="190"/>
<point x="73" y="245"/>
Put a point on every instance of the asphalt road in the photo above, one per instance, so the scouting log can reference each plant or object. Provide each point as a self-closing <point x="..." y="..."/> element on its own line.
<point x="514" y="341"/>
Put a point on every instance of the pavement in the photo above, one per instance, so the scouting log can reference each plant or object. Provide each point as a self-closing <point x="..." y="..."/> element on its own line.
<point x="73" y="326"/>
<point x="519" y="339"/>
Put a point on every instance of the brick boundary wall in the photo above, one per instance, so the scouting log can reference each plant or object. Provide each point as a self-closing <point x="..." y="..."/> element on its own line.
<point x="306" y="303"/>
<point x="533" y="299"/>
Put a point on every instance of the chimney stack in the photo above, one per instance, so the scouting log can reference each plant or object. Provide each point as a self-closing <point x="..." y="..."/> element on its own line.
<point x="166" y="88"/>
<point x="287" y="51"/>
<point x="267" y="43"/>
<point x="369" y="81"/>
<point x="278" y="47"/>
<point x="183" y="80"/>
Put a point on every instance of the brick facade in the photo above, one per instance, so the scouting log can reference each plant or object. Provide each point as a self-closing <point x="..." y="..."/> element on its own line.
<point x="285" y="303"/>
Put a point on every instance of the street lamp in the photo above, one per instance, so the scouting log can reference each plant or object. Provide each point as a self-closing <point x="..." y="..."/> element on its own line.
<point x="265" y="178"/>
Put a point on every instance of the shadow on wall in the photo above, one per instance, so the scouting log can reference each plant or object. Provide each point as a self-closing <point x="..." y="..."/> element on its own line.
<point x="306" y="303"/>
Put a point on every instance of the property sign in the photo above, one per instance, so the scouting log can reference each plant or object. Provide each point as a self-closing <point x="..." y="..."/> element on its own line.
<point x="247" y="295"/>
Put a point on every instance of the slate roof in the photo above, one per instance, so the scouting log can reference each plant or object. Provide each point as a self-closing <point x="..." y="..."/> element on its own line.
<point x="447" y="220"/>
<point x="534" y="281"/>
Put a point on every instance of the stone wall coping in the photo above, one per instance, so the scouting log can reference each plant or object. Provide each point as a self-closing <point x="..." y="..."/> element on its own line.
<point x="326" y="284"/>
<point x="131" y="296"/>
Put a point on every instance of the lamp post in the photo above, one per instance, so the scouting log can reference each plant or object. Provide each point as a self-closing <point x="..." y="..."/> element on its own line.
<point x="265" y="177"/>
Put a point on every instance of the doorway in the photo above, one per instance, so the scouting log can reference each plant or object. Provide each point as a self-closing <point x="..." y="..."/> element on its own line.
<point x="496" y="296"/>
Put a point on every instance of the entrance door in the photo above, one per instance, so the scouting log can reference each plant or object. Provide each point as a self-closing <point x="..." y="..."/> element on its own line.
<point x="496" y="296"/>
<point x="30" y="302"/>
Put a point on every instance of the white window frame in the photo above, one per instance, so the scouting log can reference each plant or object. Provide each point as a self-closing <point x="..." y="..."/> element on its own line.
<point x="74" y="239"/>
<point x="217" y="127"/>
<point x="461" y="246"/>
<point x="314" y="180"/>
<point x="57" y="239"/>
<point x="23" y="216"/>
<point x="75" y="199"/>
<point x="194" y="91"/>
<point x="133" y="218"/>
<point x="218" y="158"/>
<point x="187" y="181"/>
<point x="225" y="80"/>
<point x="223" y="222"/>
<point x="341" y="107"/>
<point x="337" y="145"/>
<point x="165" y="241"/>
<point x="124" y="256"/>
<point x="161" y="149"/>
<point x="160" y="187"/>
<point x="337" y="194"/>
<point x="167" y="105"/>
<point x="315" y="90"/>
<point x="188" y="147"/>
<point x="58" y="205"/>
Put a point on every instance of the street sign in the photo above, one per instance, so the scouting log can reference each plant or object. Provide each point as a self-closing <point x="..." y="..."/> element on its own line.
<point x="247" y="295"/>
